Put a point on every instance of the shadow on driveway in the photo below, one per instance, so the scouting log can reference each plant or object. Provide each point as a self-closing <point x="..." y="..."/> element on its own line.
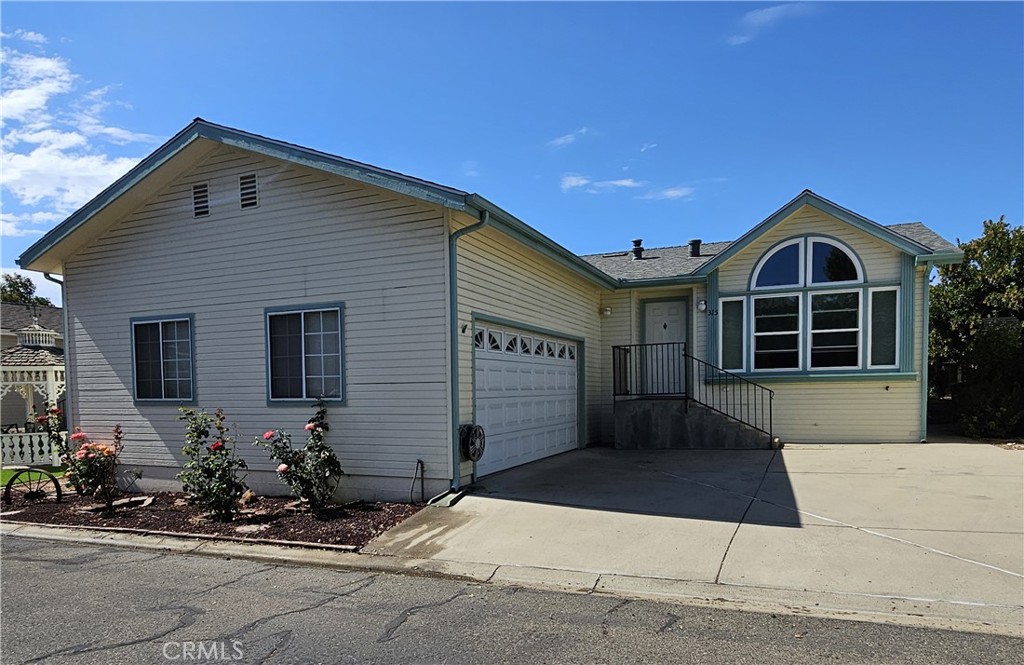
<point x="718" y="485"/>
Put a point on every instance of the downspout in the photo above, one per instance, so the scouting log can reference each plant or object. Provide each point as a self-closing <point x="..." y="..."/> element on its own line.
<point x="64" y="333"/>
<point x="453" y="340"/>
<point x="924" y="353"/>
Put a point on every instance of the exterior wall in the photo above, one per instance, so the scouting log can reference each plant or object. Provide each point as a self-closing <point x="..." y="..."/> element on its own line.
<point x="809" y="408"/>
<point x="881" y="260"/>
<point x="501" y="277"/>
<point x="315" y="238"/>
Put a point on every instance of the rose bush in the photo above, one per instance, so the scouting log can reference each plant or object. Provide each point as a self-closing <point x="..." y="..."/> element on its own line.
<point x="92" y="467"/>
<point x="210" y="476"/>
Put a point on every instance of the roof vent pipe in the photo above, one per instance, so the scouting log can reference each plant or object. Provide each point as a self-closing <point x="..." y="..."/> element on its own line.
<point x="695" y="247"/>
<point x="638" y="249"/>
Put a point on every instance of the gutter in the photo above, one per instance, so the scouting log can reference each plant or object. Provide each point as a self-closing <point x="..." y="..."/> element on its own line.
<point x="453" y="337"/>
<point x="924" y="353"/>
<point x="67" y="340"/>
<point x="939" y="259"/>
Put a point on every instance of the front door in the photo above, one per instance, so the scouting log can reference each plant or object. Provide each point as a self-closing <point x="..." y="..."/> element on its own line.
<point x="663" y="367"/>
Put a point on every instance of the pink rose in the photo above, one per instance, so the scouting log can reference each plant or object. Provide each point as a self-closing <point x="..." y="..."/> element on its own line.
<point x="80" y="454"/>
<point x="78" y="436"/>
<point x="268" y="435"/>
<point x="282" y="468"/>
<point x="217" y="445"/>
<point x="310" y="427"/>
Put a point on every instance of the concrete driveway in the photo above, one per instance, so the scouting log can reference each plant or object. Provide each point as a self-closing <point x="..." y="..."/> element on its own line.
<point x="934" y="531"/>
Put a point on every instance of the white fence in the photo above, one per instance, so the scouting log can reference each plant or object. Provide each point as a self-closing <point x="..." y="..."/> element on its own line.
<point x="28" y="448"/>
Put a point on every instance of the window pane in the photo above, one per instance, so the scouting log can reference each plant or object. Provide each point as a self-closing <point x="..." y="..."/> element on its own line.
<point x="177" y="360"/>
<point x="776" y="314"/>
<point x="782" y="269"/>
<point x="147" y="361"/>
<point x="776" y="352"/>
<point x="286" y="356"/>
<point x="883" y="328"/>
<point x="732" y="334"/>
<point x="830" y="311"/>
<point x="831" y="264"/>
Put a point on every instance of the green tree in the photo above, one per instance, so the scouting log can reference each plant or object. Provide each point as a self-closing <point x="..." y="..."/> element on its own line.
<point x="21" y="290"/>
<point x="988" y="284"/>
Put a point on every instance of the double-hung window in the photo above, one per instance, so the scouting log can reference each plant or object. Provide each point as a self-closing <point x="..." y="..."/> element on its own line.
<point x="777" y="332"/>
<point x="162" y="359"/>
<point x="305" y="348"/>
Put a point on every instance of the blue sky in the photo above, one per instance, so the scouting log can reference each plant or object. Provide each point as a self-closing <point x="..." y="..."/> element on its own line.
<point x="594" y="123"/>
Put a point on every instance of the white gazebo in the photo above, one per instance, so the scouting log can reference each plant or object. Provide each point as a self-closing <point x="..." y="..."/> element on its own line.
<point x="34" y="370"/>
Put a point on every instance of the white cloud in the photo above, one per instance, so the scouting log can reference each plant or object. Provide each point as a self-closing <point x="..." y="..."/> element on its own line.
<point x="669" y="193"/>
<point x="566" y="139"/>
<point x="29" y="36"/>
<point x="56" y="146"/>
<point x="571" y="181"/>
<point x="755" y="22"/>
<point x="44" y="287"/>
<point x="648" y="146"/>
<point x="574" y="181"/>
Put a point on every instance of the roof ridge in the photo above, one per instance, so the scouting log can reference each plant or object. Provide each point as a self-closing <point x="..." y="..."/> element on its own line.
<point x="650" y="249"/>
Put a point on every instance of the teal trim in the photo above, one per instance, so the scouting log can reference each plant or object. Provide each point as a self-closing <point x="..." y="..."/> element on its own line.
<point x="453" y="338"/>
<point x="807" y="197"/>
<point x="852" y="286"/>
<point x="679" y="280"/>
<point x="510" y="225"/>
<point x="201" y="129"/>
<point x="192" y="347"/>
<point x="827" y="377"/>
<point x="907" y="332"/>
<point x="299" y="309"/>
<point x="713" y="319"/>
<point x="940" y="259"/>
<point x="925" y="324"/>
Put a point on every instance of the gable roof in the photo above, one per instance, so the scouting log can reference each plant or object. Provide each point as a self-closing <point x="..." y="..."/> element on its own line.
<point x="657" y="262"/>
<point x="15" y="316"/>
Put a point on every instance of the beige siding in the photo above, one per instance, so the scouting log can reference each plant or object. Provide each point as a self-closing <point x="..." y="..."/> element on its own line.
<point x="881" y="260"/>
<point x="501" y="277"/>
<point x="314" y="238"/>
<point x="847" y="412"/>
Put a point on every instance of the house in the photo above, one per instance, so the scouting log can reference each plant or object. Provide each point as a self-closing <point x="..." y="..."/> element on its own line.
<point x="32" y="360"/>
<point x="233" y="270"/>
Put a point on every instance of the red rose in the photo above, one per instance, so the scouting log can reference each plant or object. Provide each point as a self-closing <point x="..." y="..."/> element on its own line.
<point x="217" y="445"/>
<point x="40" y="419"/>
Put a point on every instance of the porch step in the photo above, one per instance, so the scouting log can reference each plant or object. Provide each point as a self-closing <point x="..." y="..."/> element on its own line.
<point x="661" y="424"/>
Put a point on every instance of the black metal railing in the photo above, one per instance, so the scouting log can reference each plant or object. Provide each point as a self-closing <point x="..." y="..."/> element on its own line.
<point x="649" y="370"/>
<point x="667" y="370"/>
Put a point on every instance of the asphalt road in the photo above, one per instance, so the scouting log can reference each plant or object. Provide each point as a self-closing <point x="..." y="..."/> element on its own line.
<point x="79" y="604"/>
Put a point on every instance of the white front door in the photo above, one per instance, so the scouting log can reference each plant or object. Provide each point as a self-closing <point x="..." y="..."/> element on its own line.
<point x="663" y="367"/>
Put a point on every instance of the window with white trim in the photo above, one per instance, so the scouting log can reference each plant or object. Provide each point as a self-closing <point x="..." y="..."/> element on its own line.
<point x="305" y="354"/>
<point x="813" y="315"/>
<point x="884" y="322"/>
<point x="777" y="332"/>
<point x="162" y="354"/>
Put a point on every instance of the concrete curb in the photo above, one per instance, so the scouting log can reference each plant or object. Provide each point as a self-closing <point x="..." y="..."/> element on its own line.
<point x="921" y="613"/>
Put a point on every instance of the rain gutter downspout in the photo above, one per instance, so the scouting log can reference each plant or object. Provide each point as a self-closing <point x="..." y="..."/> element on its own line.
<point x="924" y="352"/>
<point x="64" y="333"/>
<point x="453" y="340"/>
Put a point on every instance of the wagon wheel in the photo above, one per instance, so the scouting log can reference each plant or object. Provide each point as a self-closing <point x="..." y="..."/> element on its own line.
<point x="31" y="485"/>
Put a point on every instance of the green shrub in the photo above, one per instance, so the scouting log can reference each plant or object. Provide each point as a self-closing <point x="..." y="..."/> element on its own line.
<point x="210" y="476"/>
<point x="92" y="468"/>
<point x="311" y="471"/>
<point x="990" y="401"/>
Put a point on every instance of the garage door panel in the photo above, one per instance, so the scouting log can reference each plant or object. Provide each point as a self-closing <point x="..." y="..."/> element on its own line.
<point x="526" y="403"/>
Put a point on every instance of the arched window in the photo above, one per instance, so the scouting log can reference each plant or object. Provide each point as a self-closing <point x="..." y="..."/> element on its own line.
<point x="830" y="262"/>
<point x="780" y="266"/>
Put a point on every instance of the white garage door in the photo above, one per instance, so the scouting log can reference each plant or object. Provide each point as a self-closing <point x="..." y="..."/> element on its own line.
<point x="526" y="396"/>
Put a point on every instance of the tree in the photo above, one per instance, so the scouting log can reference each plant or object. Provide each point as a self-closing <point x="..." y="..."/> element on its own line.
<point x="21" y="290"/>
<point x="988" y="284"/>
<point x="977" y="323"/>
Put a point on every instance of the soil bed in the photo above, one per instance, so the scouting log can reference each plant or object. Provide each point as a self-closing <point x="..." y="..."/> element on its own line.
<point x="267" y="518"/>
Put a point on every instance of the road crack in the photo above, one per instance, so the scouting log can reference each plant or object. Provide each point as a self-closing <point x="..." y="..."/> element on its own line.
<point x="396" y="624"/>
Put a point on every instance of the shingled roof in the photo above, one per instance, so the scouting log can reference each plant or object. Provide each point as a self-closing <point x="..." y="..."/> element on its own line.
<point x="657" y="262"/>
<point x="14" y="316"/>
<point x="920" y="233"/>
<point x="32" y="356"/>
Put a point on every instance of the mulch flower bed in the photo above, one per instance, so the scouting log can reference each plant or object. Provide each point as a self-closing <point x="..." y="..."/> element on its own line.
<point x="263" y="518"/>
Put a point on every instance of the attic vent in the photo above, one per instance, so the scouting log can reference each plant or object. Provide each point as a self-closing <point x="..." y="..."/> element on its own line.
<point x="248" y="191"/>
<point x="200" y="200"/>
